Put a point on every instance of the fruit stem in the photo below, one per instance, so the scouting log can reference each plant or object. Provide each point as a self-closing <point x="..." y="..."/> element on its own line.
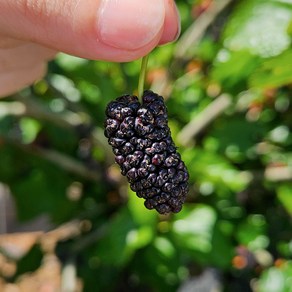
<point x="142" y="77"/>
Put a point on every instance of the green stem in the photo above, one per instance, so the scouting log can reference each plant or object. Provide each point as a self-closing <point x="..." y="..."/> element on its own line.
<point x="142" y="77"/>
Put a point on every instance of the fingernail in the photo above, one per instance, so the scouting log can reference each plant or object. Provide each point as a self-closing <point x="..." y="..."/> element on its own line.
<point x="172" y="26"/>
<point x="179" y="24"/>
<point x="129" y="24"/>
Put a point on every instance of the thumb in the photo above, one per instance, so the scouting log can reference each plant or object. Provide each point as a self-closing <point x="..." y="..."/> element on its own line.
<point x="115" y="30"/>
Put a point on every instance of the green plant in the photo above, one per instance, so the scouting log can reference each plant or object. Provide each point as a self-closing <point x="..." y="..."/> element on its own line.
<point x="227" y="86"/>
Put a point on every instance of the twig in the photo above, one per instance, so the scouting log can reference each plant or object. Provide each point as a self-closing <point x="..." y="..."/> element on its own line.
<point x="90" y="239"/>
<point x="196" y="31"/>
<point x="63" y="161"/>
<point x="35" y="109"/>
<point x="66" y="231"/>
<point x="71" y="230"/>
<point x="14" y="108"/>
<point x="204" y="118"/>
<point x="29" y="106"/>
<point x="188" y="40"/>
<point x="100" y="140"/>
<point x="67" y="163"/>
<point x="3" y="215"/>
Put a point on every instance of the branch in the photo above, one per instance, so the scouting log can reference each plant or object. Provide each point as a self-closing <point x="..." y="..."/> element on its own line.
<point x="100" y="140"/>
<point x="67" y="163"/>
<point x="196" y="31"/>
<point x="66" y="231"/>
<point x="204" y="118"/>
<point x="3" y="206"/>
<point x="14" y="108"/>
<point x="164" y="85"/>
<point x="90" y="239"/>
<point x="37" y="110"/>
<point x="63" y="161"/>
<point x="29" y="106"/>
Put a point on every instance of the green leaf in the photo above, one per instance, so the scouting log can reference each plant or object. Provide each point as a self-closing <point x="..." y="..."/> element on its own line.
<point x="13" y="164"/>
<point x="252" y="232"/>
<point x="197" y="231"/>
<point x="122" y="239"/>
<point x="261" y="26"/>
<point x="208" y="167"/>
<point x="140" y="214"/>
<point x="193" y="228"/>
<point x="274" y="72"/>
<point x="35" y="194"/>
<point x="222" y="248"/>
<point x="30" y="262"/>
<point x="158" y="265"/>
<point x="165" y="247"/>
<point x="30" y="128"/>
<point x="232" y="69"/>
<point x="277" y="279"/>
<point x="233" y="145"/>
<point x="140" y="237"/>
<point x="284" y="194"/>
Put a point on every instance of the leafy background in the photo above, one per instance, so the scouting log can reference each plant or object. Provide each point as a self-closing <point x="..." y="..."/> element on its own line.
<point x="228" y="85"/>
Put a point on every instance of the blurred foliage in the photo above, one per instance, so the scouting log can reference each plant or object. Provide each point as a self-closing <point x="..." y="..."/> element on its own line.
<point x="237" y="218"/>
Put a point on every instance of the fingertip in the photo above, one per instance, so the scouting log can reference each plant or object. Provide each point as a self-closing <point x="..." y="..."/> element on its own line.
<point x="122" y="34"/>
<point x="125" y="25"/>
<point x="172" y="23"/>
<point x="111" y="30"/>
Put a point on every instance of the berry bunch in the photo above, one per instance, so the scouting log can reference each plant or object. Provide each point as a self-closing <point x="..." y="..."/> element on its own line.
<point x="141" y="140"/>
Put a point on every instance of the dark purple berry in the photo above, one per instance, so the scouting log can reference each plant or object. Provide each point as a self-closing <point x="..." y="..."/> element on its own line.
<point x="132" y="175"/>
<point x="157" y="159"/>
<point x="120" y="159"/>
<point x="145" y="151"/>
<point x="111" y="126"/>
<point x="116" y="142"/>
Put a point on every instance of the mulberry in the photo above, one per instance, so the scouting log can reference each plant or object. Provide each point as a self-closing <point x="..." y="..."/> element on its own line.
<point x="141" y="140"/>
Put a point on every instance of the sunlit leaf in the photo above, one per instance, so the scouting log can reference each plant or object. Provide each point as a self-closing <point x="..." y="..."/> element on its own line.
<point x="123" y="237"/>
<point x="35" y="194"/>
<point x="30" y="129"/>
<point x="284" y="194"/>
<point x="252" y="233"/>
<point x="194" y="228"/>
<point x="216" y="170"/>
<point x="277" y="279"/>
<point x="140" y="214"/>
<point x="231" y="69"/>
<point x="274" y="72"/>
<point x="260" y="26"/>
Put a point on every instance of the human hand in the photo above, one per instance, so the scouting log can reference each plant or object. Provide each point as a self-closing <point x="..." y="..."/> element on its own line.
<point x="33" y="31"/>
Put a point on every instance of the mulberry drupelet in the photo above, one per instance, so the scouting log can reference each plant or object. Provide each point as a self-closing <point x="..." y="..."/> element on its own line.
<point x="141" y="140"/>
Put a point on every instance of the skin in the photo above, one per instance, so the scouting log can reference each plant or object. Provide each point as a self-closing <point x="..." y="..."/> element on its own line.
<point x="32" y="32"/>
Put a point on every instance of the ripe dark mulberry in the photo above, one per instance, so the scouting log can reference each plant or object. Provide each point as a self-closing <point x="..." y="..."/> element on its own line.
<point x="141" y="140"/>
